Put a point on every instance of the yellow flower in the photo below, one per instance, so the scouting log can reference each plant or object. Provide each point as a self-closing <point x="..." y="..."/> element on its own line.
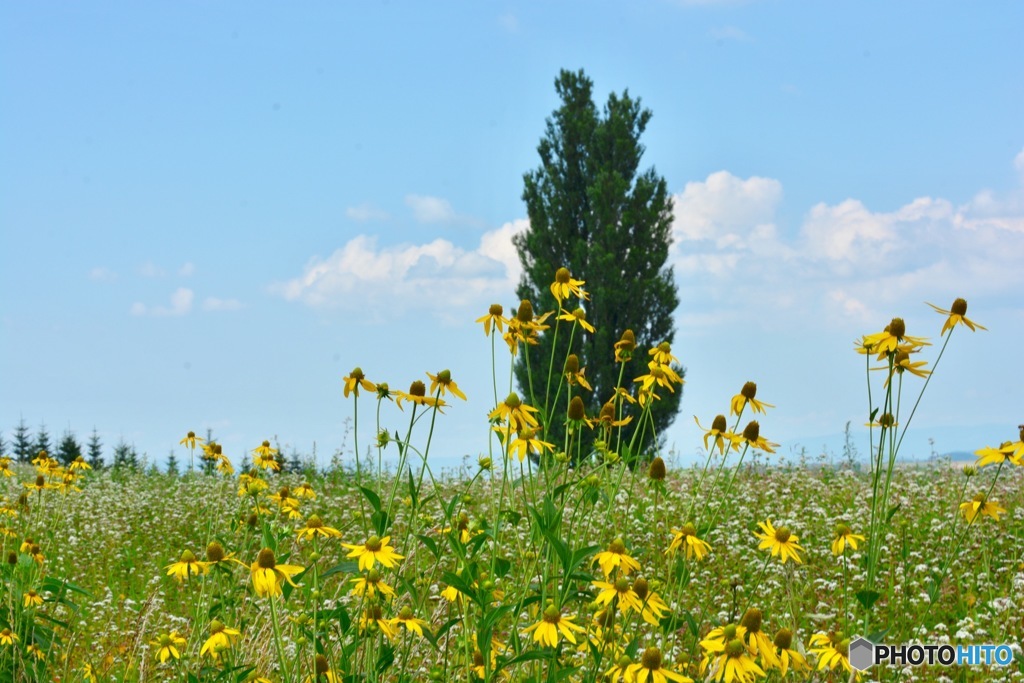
<point x="625" y="346"/>
<point x="322" y="672"/>
<point x="517" y="414"/>
<point x="621" y="592"/>
<point x="577" y="316"/>
<point x="267" y="574"/>
<point x="845" y="537"/>
<point x="788" y="657"/>
<point x="315" y="527"/>
<point x="526" y="442"/>
<point x="893" y="338"/>
<point x="692" y="546"/>
<point x="79" y="463"/>
<point x="746" y="395"/>
<point x="405" y="618"/>
<point x="662" y="354"/>
<point x="494" y="316"/>
<point x="8" y="637"/>
<point x="370" y="585"/>
<point x="730" y="661"/>
<point x="357" y="379"/>
<point x="957" y="316"/>
<point x="190" y="440"/>
<point x="32" y="599"/>
<point x="757" y="641"/>
<point x="992" y="456"/>
<point x="832" y="650"/>
<point x="752" y="436"/>
<point x="616" y="557"/>
<point x="574" y="374"/>
<point x="782" y="542"/>
<point x="305" y="490"/>
<point x="35" y="651"/>
<point x="660" y="375"/>
<point x="719" y="434"/>
<point x="649" y="669"/>
<point x="564" y="285"/>
<point x="221" y="638"/>
<point x="546" y="631"/>
<point x="443" y="380"/>
<point x="654" y="608"/>
<point x="981" y="506"/>
<point x="187" y="565"/>
<point x="167" y="646"/>
<point x="417" y="395"/>
<point x="373" y="616"/>
<point x="89" y="672"/>
<point x="374" y="550"/>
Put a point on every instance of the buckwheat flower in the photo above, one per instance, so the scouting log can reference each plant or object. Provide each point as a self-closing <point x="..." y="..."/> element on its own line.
<point x="788" y="657"/>
<point x="370" y="585"/>
<point x="957" y="316"/>
<point x="649" y="668"/>
<point x="494" y="317"/>
<point x="981" y="506"/>
<point x="845" y="537"/>
<point x="8" y="637"/>
<point x="686" y="538"/>
<point x="357" y="379"/>
<point x="221" y="638"/>
<point x="315" y="527"/>
<point x="190" y="440"/>
<point x="747" y="396"/>
<point x="720" y="435"/>
<point x="167" y="646"/>
<point x="546" y="631"/>
<point x="832" y="650"/>
<point x="406" y="619"/>
<point x="187" y="565"/>
<point x="782" y="542"/>
<point x="375" y="549"/>
<point x="267" y="574"/>
<point x="443" y="380"/>
<point x="616" y="557"/>
<point x="577" y="316"/>
<point x="564" y="285"/>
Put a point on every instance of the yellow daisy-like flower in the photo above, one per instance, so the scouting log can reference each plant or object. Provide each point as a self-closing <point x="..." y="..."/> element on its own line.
<point x="494" y="317"/>
<point x="832" y="650"/>
<point x="577" y="316"/>
<point x="267" y="574"/>
<point x="662" y="354"/>
<point x="957" y="316"/>
<point x="263" y="456"/>
<point x="315" y="527"/>
<point x="32" y="599"/>
<point x="79" y="463"/>
<point x="411" y="623"/>
<point x="8" y="637"/>
<point x="757" y="641"/>
<point x="994" y="456"/>
<point x="417" y="395"/>
<point x="730" y="661"/>
<point x="660" y="375"/>
<point x="190" y="440"/>
<point x="517" y="414"/>
<point x="845" y="537"/>
<point x="893" y="338"/>
<point x="526" y="442"/>
<point x="752" y="436"/>
<point x="721" y="437"/>
<point x="187" y="565"/>
<point x="564" y="285"/>
<point x="616" y="557"/>
<point x="621" y="592"/>
<point x="443" y="380"/>
<point x="370" y="585"/>
<point x="221" y="638"/>
<point x="373" y="617"/>
<point x="304" y="490"/>
<point x="375" y="549"/>
<point x="546" y="631"/>
<point x="167" y="646"/>
<point x="322" y="672"/>
<point x="787" y="656"/>
<point x="34" y="650"/>
<point x="686" y="538"/>
<point x="625" y="346"/>
<point x="747" y="397"/>
<point x="782" y="542"/>
<point x="357" y="379"/>
<point x="574" y="374"/>
<point x="649" y="668"/>
<point x="981" y="506"/>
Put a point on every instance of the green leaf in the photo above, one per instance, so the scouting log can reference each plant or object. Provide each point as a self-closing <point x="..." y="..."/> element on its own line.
<point x="372" y="497"/>
<point x="430" y="544"/>
<point x="867" y="598"/>
<point x="346" y="567"/>
<point x="892" y="511"/>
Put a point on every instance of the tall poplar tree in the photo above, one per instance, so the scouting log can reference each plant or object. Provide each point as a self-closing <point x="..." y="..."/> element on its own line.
<point x="594" y="211"/>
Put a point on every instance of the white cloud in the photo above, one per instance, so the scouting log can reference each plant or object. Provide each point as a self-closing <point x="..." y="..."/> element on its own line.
<point x="212" y="303"/>
<point x="150" y="269"/>
<point x="138" y="308"/>
<point x="187" y="269"/>
<point x="180" y="304"/>
<point x="366" y="212"/>
<point x="430" y="209"/>
<point x="438" y="275"/>
<point x="101" y="274"/>
<point x="723" y="205"/>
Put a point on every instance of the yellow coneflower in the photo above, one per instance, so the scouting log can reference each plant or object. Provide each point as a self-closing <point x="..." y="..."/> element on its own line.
<point x="267" y="574"/>
<point x="221" y="638"/>
<point x="654" y="608"/>
<point x="443" y="381"/>
<point x="649" y="668"/>
<point x="373" y="617"/>
<point x="32" y="599"/>
<point x="577" y="317"/>
<point x="357" y="379"/>
<point x="621" y="591"/>
<point x="730" y="661"/>
<point x="574" y="374"/>
<point x="315" y="527"/>
<point x="304" y="490"/>
<point x="782" y="542"/>
<point x="756" y="640"/>
<point x="370" y="585"/>
<point x="322" y="672"/>
<point x="719" y="434"/>
<point x="752" y="437"/>
<point x="660" y="375"/>
<point x="662" y="354"/>
<point x="957" y="315"/>
<point x="494" y="317"/>
<point x="263" y="456"/>
<point x="515" y="413"/>
<point x="564" y="285"/>
<point x="552" y="622"/>
<point x="616" y="557"/>
<point x="621" y="669"/>
<point x="994" y="456"/>
<point x="893" y="338"/>
<point x="407" y="620"/>
<point x="686" y="538"/>
<point x="191" y="440"/>
<point x="417" y="395"/>
<point x="187" y="565"/>
<point x="284" y="498"/>
<point x="167" y="646"/>
<point x="625" y="346"/>
<point x="845" y="537"/>
<point x="79" y="463"/>
<point x="747" y="396"/>
<point x="832" y="650"/>
<point x="981" y="506"/>
<point x="788" y="657"/>
<point x="376" y="549"/>
<point x="8" y="637"/>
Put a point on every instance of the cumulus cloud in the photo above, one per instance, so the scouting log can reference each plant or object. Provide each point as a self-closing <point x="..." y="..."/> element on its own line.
<point x="187" y="269"/>
<point x="365" y="213"/>
<point x="212" y="303"/>
<point x="150" y="269"/>
<point x="180" y="304"/>
<point x="426" y="209"/>
<point x="843" y="261"/>
<point x="439" y="275"/>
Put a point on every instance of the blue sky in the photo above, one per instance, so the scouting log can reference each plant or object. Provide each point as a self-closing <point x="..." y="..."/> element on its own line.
<point x="211" y="213"/>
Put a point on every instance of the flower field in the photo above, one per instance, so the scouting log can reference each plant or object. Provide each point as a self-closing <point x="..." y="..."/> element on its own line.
<point x="540" y="561"/>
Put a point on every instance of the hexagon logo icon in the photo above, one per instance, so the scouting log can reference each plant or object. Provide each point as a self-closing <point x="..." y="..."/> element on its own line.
<point x="862" y="654"/>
